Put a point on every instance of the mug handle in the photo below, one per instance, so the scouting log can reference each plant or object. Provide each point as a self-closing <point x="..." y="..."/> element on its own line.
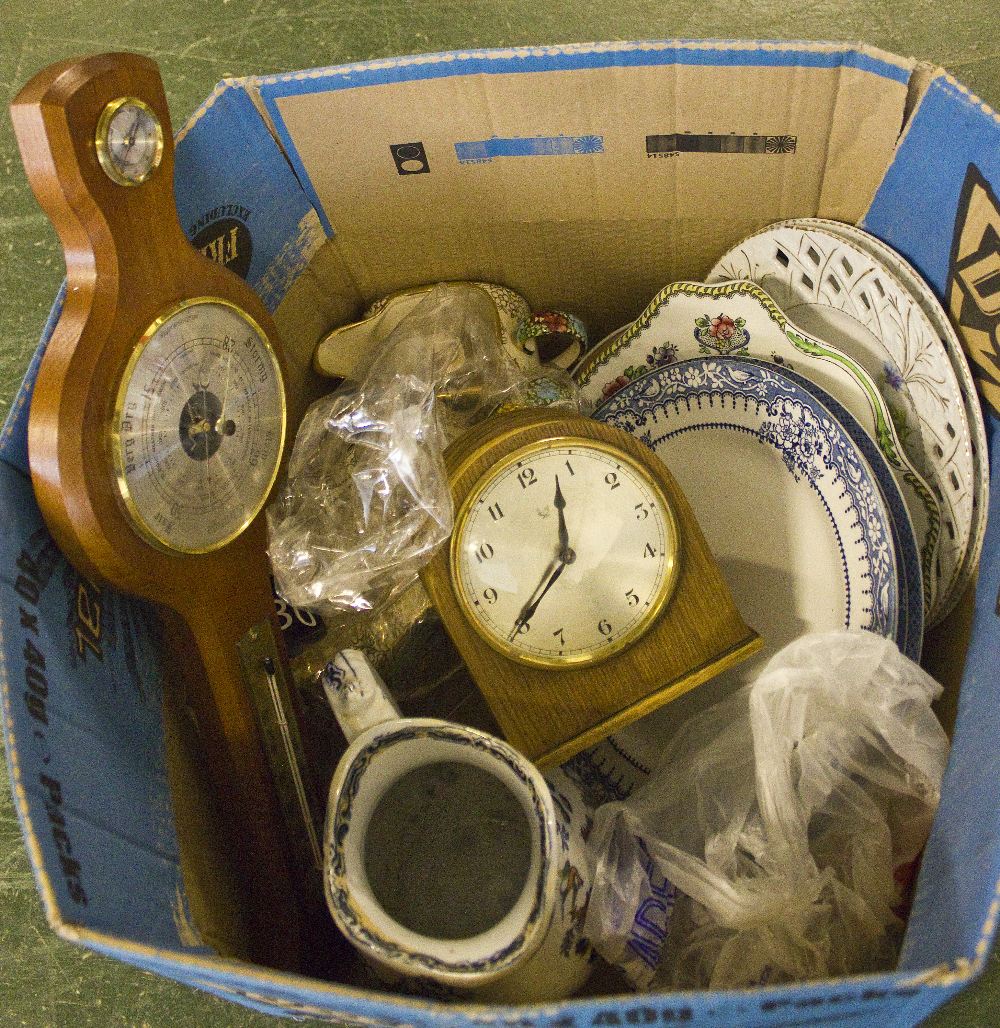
<point x="356" y="693"/>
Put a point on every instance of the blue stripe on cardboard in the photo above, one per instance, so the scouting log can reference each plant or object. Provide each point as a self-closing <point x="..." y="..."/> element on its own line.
<point x="764" y="54"/>
<point x="761" y="54"/>
<point x="484" y="150"/>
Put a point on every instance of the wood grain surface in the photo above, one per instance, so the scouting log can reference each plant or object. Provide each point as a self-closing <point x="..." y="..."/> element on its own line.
<point x="127" y="261"/>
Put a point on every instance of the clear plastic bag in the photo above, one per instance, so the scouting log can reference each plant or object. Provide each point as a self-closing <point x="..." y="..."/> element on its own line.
<point x="773" y="841"/>
<point x="366" y="502"/>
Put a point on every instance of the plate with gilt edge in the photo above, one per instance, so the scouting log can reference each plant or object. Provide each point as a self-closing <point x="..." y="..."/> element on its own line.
<point x="839" y="292"/>
<point x="931" y="306"/>
<point x="739" y="319"/>
<point x="808" y="535"/>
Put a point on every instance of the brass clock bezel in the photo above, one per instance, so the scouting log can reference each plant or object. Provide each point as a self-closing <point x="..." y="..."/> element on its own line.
<point x="104" y="155"/>
<point x="146" y="531"/>
<point x="672" y="546"/>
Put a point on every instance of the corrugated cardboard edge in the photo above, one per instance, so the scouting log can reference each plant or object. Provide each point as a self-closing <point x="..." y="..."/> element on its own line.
<point x="206" y="104"/>
<point x="964" y="970"/>
<point x="611" y="46"/>
<point x="242" y="981"/>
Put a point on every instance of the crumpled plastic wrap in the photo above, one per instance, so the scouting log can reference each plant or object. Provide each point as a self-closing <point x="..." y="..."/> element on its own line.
<point x="366" y="502"/>
<point x="777" y="839"/>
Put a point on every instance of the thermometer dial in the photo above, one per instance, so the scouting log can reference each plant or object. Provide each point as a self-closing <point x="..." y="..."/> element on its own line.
<point x="129" y="141"/>
<point x="199" y="426"/>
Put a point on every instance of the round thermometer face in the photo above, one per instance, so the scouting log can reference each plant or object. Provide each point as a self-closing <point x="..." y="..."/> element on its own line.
<point x="129" y="141"/>
<point x="564" y="553"/>
<point x="199" y="426"/>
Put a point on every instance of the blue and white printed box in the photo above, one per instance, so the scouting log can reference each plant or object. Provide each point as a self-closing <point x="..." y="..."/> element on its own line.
<point x="586" y="177"/>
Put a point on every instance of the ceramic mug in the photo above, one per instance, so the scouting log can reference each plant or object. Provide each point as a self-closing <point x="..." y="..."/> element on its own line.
<point x="499" y="916"/>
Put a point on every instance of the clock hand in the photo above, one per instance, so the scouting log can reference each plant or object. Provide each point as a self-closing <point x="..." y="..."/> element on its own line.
<point x="546" y="575"/>
<point x="553" y="573"/>
<point x="560" y="504"/>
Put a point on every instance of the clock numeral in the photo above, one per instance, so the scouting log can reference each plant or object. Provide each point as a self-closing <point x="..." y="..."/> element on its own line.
<point x="484" y="552"/>
<point x="612" y="479"/>
<point x="490" y="596"/>
<point x="632" y="598"/>
<point x="496" y="512"/>
<point x="558" y="633"/>
<point x="526" y="476"/>
<point x="649" y="551"/>
<point x="569" y="468"/>
<point x="604" y="627"/>
<point x="641" y="512"/>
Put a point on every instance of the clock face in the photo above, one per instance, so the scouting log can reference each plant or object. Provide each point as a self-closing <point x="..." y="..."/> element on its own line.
<point x="129" y="141"/>
<point x="564" y="553"/>
<point x="199" y="426"/>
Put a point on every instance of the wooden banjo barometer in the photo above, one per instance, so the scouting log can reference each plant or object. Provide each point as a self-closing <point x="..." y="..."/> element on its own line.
<point x="156" y="431"/>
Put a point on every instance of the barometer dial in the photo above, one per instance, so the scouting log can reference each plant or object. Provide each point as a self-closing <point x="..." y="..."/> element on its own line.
<point x="199" y="426"/>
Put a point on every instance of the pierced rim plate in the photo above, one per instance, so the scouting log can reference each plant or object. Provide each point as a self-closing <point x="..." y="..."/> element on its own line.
<point x="931" y="306"/>
<point x="807" y="518"/>
<point x="738" y="319"/>
<point x="839" y="292"/>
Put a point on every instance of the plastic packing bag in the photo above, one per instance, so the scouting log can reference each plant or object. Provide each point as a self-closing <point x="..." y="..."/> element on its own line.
<point x="775" y="839"/>
<point x="366" y="502"/>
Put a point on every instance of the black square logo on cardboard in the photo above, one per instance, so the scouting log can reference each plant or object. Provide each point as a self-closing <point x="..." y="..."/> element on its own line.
<point x="410" y="158"/>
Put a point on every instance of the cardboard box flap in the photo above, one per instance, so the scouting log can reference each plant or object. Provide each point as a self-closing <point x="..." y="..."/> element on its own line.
<point x="238" y="200"/>
<point x="82" y="694"/>
<point x="583" y="176"/>
<point x="938" y="205"/>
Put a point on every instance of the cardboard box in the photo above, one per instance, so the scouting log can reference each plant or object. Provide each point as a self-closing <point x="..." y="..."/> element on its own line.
<point x="586" y="177"/>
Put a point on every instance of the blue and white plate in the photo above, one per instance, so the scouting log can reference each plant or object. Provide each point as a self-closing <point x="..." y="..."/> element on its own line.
<point x="796" y="503"/>
<point x="738" y="319"/>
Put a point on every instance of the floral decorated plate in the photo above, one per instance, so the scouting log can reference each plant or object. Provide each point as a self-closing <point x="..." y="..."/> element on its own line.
<point x="840" y="293"/>
<point x="929" y="304"/>
<point x="739" y="319"/>
<point x="805" y="532"/>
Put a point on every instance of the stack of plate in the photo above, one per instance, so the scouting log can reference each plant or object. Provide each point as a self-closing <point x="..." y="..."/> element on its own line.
<point x="816" y="408"/>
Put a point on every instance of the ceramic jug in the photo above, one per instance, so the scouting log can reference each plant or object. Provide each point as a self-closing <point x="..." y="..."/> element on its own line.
<point x="531" y="952"/>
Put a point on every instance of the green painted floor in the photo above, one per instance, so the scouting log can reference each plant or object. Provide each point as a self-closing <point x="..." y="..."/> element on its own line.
<point x="43" y="981"/>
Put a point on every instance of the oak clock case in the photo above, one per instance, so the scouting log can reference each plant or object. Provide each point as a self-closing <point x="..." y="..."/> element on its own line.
<point x="155" y="433"/>
<point x="578" y="587"/>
